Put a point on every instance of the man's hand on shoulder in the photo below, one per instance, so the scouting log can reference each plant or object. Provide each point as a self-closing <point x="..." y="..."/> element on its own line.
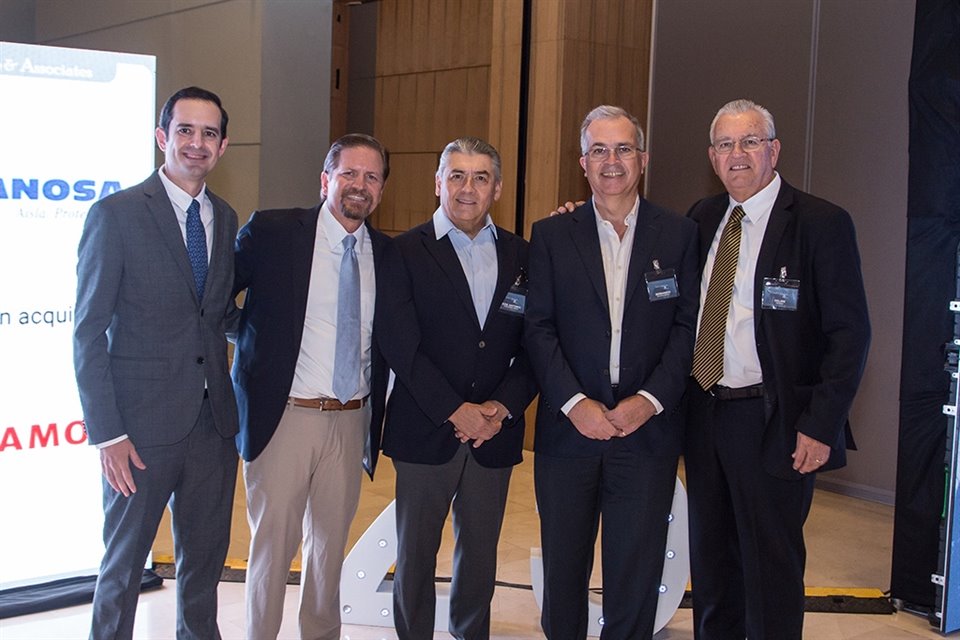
<point x="566" y="207"/>
<point x="115" y="462"/>
<point x="588" y="416"/>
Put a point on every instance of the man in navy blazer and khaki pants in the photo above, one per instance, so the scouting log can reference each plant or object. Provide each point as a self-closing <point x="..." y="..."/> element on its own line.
<point x="304" y="441"/>
<point x="154" y="283"/>
<point x="776" y="367"/>
<point x="450" y="321"/>
<point x="610" y="329"/>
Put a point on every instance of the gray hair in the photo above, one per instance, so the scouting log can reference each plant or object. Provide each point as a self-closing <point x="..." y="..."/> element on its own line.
<point x="608" y="112"/>
<point x="470" y="145"/>
<point x="736" y="107"/>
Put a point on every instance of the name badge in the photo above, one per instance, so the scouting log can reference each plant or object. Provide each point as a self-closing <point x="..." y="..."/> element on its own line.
<point x="780" y="294"/>
<point x="661" y="283"/>
<point x="515" y="302"/>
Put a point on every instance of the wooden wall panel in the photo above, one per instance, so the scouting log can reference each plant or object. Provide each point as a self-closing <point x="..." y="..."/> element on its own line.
<point x="585" y="53"/>
<point x="504" y="102"/>
<point x="432" y="85"/>
<point x="408" y="198"/>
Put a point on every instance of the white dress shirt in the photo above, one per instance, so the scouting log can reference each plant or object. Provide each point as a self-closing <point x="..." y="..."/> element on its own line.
<point x="180" y="200"/>
<point x="313" y="376"/>
<point x="615" y="252"/>
<point x="741" y="364"/>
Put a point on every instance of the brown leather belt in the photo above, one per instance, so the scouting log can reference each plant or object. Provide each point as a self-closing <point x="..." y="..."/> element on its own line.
<point x="740" y="393"/>
<point x="327" y="404"/>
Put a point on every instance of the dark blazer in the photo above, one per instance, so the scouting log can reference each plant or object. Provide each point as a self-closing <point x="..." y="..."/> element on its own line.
<point x="428" y="331"/>
<point x="812" y="359"/>
<point x="568" y="327"/>
<point x="143" y="342"/>
<point x="274" y="254"/>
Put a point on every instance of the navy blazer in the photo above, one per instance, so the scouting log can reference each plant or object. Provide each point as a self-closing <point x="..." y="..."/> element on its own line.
<point x="274" y="255"/>
<point x="568" y="327"/>
<point x="428" y="330"/>
<point x="812" y="359"/>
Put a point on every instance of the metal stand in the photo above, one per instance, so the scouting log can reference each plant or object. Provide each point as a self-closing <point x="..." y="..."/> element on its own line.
<point x="946" y="613"/>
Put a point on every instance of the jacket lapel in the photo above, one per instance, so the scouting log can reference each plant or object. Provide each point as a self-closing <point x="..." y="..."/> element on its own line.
<point x="709" y="224"/>
<point x="222" y="244"/>
<point x="301" y="253"/>
<point x="583" y="231"/>
<point x="780" y="218"/>
<point x="645" y="238"/>
<point x="165" y="218"/>
<point x="446" y="256"/>
<point x="507" y="272"/>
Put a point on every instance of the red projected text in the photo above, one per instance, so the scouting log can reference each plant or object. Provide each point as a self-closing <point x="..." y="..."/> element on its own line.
<point x="41" y="436"/>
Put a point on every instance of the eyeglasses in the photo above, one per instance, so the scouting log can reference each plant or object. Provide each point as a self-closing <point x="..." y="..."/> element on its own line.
<point x="747" y="144"/>
<point x="622" y="151"/>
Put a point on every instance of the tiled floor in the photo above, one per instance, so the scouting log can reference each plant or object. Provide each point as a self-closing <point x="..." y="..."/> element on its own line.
<point x="848" y="546"/>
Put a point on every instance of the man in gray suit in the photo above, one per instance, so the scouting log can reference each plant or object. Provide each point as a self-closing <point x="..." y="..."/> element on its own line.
<point x="154" y="283"/>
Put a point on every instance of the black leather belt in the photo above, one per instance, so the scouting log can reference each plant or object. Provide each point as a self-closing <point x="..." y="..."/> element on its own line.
<point x="740" y="393"/>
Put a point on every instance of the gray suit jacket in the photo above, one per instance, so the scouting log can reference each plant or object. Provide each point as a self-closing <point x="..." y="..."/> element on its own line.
<point x="143" y="343"/>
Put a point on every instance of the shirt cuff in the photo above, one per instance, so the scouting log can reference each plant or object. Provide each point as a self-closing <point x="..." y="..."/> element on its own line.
<point x="569" y="404"/>
<point x="104" y="445"/>
<point x="656" y="403"/>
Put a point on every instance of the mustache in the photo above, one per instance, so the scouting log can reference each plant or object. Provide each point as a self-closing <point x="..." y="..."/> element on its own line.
<point x="355" y="192"/>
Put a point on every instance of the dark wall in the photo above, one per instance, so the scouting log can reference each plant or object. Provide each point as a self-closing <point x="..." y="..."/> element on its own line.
<point x="834" y="74"/>
<point x="17" y="21"/>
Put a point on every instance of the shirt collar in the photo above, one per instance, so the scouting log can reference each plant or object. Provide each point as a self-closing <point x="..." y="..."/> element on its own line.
<point x="334" y="231"/>
<point x="629" y="221"/>
<point x="761" y="203"/>
<point x="442" y="225"/>
<point x="178" y="196"/>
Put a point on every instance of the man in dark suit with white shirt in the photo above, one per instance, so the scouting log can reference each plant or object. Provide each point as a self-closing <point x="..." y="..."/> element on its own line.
<point x="154" y="282"/>
<point x="609" y="330"/>
<point x="450" y="321"/>
<point x="781" y="345"/>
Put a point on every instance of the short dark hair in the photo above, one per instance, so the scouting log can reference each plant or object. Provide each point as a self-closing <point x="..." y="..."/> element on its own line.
<point x="196" y="93"/>
<point x="350" y="141"/>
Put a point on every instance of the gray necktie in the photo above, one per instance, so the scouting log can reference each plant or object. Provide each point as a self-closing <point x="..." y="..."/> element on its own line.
<point x="197" y="247"/>
<point x="346" y="361"/>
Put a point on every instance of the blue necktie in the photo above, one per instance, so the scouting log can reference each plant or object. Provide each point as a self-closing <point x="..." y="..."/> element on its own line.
<point x="346" y="361"/>
<point x="197" y="247"/>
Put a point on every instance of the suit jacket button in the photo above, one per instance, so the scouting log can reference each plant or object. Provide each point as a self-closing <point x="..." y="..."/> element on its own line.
<point x="482" y="344"/>
<point x="200" y="360"/>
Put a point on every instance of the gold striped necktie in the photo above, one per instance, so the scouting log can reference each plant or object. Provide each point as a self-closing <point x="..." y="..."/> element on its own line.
<point x="708" y="352"/>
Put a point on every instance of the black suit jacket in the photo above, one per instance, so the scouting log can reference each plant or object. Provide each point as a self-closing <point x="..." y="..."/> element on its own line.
<point x="428" y="331"/>
<point x="274" y="254"/>
<point x="812" y="359"/>
<point x="568" y="331"/>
